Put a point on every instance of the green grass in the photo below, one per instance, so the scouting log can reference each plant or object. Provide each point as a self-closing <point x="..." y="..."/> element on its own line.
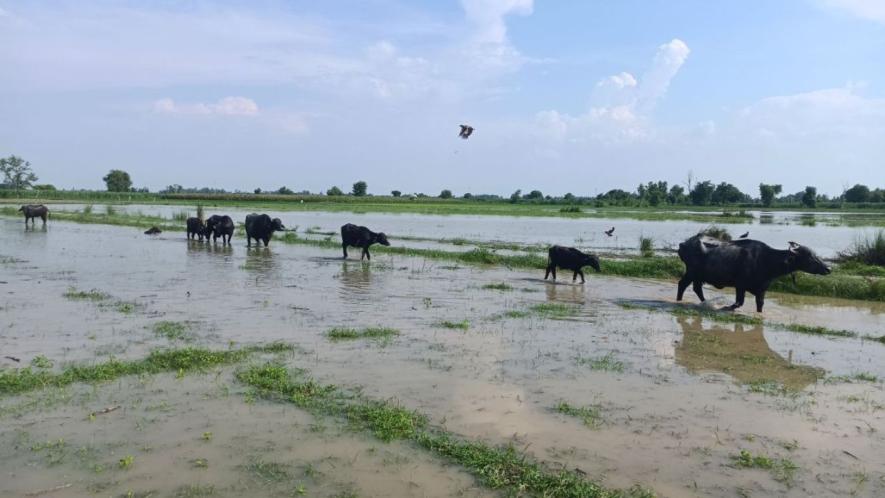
<point x="516" y="314"/>
<point x="869" y="250"/>
<point x="589" y="415"/>
<point x="91" y="295"/>
<point x="608" y="363"/>
<point x="646" y="247"/>
<point x="173" y="331"/>
<point x="502" y="286"/>
<point x="499" y="468"/>
<point x="447" y="324"/>
<point x="556" y="310"/>
<point x="346" y="334"/>
<point x="782" y="469"/>
<point x="268" y="472"/>
<point x="20" y="380"/>
<point x="855" y="377"/>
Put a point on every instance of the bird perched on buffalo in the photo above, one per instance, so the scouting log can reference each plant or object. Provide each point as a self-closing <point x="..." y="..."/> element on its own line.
<point x="466" y="131"/>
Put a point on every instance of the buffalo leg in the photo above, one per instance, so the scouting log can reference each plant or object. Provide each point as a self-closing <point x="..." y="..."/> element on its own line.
<point x="366" y="252"/>
<point x="683" y="284"/>
<point x="698" y="288"/>
<point x="547" y="273"/>
<point x="266" y="241"/>
<point x="344" y="248"/>
<point x="739" y="295"/>
<point x="575" y="275"/>
<point x="760" y="300"/>
<point x="581" y="273"/>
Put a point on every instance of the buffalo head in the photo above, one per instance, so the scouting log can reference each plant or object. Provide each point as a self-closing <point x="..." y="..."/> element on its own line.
<point x="382" y="239"/>
<point x="277" y="225"/>
<point x="805" y="260"/>
<point x="22" y="208"/>
<point x="591" y="261"/>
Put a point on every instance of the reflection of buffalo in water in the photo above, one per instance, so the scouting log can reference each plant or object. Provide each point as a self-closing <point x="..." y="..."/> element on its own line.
<point x="740" y="351"/>
<point x="32" y="211"/>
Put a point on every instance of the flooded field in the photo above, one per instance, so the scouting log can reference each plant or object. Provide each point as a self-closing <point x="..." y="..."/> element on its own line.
<point x="601" y="380"/>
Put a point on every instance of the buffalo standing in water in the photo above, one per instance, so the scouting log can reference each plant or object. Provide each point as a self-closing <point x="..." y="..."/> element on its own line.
<point x="32" y="211"/>
<point x="261" y="227"/>
<point x="569" y="258"/>
<point x="746" y="265"/>
<point x="196" y="228"/>
<point x="220" y="226"/>
<point x="357" y="236"/>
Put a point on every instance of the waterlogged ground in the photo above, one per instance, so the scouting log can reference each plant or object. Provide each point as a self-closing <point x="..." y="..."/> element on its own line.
<point x="601" y="379"/>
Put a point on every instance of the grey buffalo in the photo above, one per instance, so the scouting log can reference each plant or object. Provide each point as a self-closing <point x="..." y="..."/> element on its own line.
<point x="745" y="264"/>
<point x="32" y="211"/>
<point x="261" y="227"/>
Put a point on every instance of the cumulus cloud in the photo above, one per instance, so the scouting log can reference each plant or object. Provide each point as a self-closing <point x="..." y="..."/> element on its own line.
<point x="228" y="106"/>
<point x="873" y="10"/>
<point x="488" y="45"/>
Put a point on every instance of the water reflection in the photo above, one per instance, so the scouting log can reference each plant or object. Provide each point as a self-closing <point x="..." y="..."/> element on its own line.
<point x="565" y="293"/>
<point x="356" y="279"/>
<point x="262" y="264"/>
<point x="740" y="351"/>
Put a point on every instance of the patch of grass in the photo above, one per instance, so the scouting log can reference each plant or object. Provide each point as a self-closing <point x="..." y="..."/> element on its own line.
<point x="782" y="469"/>
<point x="126" y="462"/>
<point x="502" y="286"/>
<point x="855" y="377"/>
<point x="868" y="249"/>
<point x="571" y="209"/>
<point x="768" y="388"/>
<point x="447" y="324"/>
<point x="194" y="491"/>
<point x="504" y="469"/>
<point x="16" y="381"/>
<point x="516" y="314"/>
<point x="345" y="334"/>
<point x="646" y="247"/>
<point x="91" y="295"/>
<point x="590" y="415"/>
<point x="268" y="472"/>
<point x="556" y="310"/>
<point x="608" y="363"/>
<point x="173" y="331"/>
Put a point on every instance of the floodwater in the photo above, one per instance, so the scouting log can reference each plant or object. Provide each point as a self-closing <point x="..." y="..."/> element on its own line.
<point x="673" y="415"/>
<point x="826" y="233"/>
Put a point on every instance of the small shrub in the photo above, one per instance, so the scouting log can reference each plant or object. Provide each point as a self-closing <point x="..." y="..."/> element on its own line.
<point x="646" y="247"/>
<point x="869" y="249"/>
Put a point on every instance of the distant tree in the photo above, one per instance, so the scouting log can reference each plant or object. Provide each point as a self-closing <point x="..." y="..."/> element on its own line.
<point x="857" y="193"/>
<point x="702" y="193"/>
<point x="534" y="195"/>
<point x="118" y="180"/>
<point x="46" y="187"/>
<point x="334" y="191"/>
<point x="676" y="195"/>
<point x="768" y="192"/>
<point x="445" y="194"/>
<point x="616" y="196"/>
<point x="396" y="193"/>
<point x="877" y="195"/>
<point x="653" y="193"/>
<point x="809" y="197"/>
<point x="568" y="197"/>
<point x="257" y="191"/>
<point x="726" y="193"/>
<point x="17" y="173"/>
<point x="467" y="195"/>
<point x="359" y="188"/>
<point x="285" y="191"/>
<point x="514" y="197"/>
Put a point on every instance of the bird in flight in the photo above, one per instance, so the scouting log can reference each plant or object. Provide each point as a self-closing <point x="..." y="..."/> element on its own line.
<point x="610" y="232"/>
<point x="466" y="131"/>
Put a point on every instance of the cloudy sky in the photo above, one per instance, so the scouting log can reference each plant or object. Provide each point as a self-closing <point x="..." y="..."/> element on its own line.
<point x="574" y="97"/>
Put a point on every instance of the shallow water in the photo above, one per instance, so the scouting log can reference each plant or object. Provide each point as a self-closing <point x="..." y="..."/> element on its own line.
<point x="828" y="235"/>
<point x="672" y="418"/>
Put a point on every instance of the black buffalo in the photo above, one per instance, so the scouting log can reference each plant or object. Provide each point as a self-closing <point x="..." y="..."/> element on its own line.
<point x="570" y="259"/>
<point x="357" y="236"/>
<point x="196" y="228"/>
<point x="32" y="211"/>
<point x="220" y="226"/>
<point x="261" y="227"/>
<point x="746" y="265"/>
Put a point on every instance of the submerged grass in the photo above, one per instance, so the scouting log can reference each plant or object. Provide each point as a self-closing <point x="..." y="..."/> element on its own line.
<point x="502" y="286"/>
<point x="20" y="380"/>
<point x="556" y="310"/>
<point x="345" y="334"/>
<point x="590" y="415"/>
<point x="608" y="363"/>
<point x="782" y="469"/>
<point x="75" y="294"/>
<point x="499" y="468"/>
<point x="174" y="331"/>
<point x="447" y="324"/>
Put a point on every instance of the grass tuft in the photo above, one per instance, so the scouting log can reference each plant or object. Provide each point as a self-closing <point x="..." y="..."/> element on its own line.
<point x="556" y="310"/>
<point x="348" y="334"/>
<point x="91" y="295"/>
<point x="646" y="247"/>
<point x="502" y="286"/>
<point x="590" y="415"/>
<point x="869" y="249"/>
<point x="447" y="324"/>
<point x="606" y="363"/>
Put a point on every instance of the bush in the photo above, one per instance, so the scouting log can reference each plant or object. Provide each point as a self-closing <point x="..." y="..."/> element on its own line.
<point x="646" y="247"/>
<point x="869" y="250"/>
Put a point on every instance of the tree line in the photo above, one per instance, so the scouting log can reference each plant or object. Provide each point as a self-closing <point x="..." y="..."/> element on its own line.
<point x="18" y="175"/>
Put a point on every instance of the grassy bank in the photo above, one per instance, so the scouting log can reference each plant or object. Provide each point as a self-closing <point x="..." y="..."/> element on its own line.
<point x="500" y="468"/>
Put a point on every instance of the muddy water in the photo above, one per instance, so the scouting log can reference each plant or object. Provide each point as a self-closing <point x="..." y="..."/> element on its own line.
<point x="825" y="232"/>
<point x="672" y="417"/>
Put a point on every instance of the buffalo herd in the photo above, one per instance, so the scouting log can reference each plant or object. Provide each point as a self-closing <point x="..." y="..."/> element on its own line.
<point x="745" y="264"/>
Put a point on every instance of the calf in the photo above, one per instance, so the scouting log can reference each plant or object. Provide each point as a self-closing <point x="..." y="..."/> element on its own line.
<point x="196" y="228"/>
<point x="220" y="226"/>
<point x="357" y="236"/>
<point x="261" y="227"/>
<point x="746" y="265"/>
<point x="570" y="259"/>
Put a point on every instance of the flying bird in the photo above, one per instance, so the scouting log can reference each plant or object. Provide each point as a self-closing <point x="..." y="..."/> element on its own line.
<point x="745" y="235"/>
<point x="610" y="232"/>
<point x="466" y="131"/>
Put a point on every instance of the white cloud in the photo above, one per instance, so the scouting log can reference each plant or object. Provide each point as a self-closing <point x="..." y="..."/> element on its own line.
<point x="488" y="45"/>
<point x="622" y="80"/>
<point x="228" y="106"/>
<point x="873" y="10"/>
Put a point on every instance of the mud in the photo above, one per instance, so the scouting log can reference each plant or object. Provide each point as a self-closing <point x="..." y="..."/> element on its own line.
<point x="689" y="396"/>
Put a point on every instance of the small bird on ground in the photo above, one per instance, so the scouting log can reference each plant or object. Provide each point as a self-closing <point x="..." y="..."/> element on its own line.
<point x="466" y="131"/>
<point x="745" y="235"/>
<point x="610" y="231"/>
<point x="152" y="231"/>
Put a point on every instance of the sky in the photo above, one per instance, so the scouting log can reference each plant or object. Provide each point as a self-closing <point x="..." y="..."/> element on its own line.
<point x="577" y="97"/>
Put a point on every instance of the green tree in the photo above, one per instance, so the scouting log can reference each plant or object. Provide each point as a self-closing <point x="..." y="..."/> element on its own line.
<point x="46" y="187"/>
<point x="467" y="195"/>
<point x="568" y="197"/>
<point x="726" y="193"/>
<point x="809" y="197"/>
<point x="768" y="192"/>
<point x="445" y="194"/>
<point x="514" y="197"/>
<point x="285" y="191"/>
<point x="653" y="193"/>
<point x="676" y="195"/>
<point x="360" y="188"/>
<point x="534" y="195"/>
<point x="396" y="193"/>
<point x="334" y="191"/>
<point x="857" y="193"/>
<point x="702" y="193"/>
<point x="17" y="173"/>
<point x="118" y="180"/>
<point x="257" y="191"/>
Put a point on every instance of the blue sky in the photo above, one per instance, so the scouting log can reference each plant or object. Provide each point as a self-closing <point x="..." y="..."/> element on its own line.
<point x="574" y="97"/>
